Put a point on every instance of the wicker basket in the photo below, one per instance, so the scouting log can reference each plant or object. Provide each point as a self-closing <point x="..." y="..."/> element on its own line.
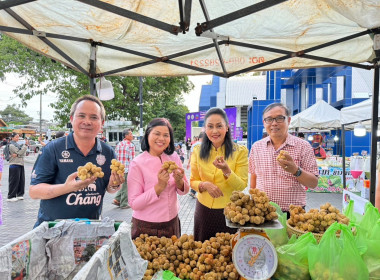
<point x="292" y="230"/>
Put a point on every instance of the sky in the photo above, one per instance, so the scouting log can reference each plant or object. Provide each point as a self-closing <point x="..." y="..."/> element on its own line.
<point x="7" y="97"/>
<point x="192" y="99"/>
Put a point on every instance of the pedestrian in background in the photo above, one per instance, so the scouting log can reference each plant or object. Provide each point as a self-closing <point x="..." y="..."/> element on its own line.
<point x="218" y="167"/>
<point x="16" y="179"/>
<point x="152" y="190"/>
<point x="125" y="152"/>
<point x="1" y="162"/>
<point x="180" y="153"/>
<point x="1" y="195"/>
<point x="54" y="177"/>
<point x="188" y="147"/>
<point x="282" y="177"/>
<point x="200" y="138"/>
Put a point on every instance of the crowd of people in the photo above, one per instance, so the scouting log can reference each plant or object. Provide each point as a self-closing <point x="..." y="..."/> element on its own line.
<point x="218" y="167"/>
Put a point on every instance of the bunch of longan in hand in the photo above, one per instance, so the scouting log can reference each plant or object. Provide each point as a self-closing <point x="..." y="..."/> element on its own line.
<point x="282" y="155"/>
<point x="89" y="170"/>
<point x="170" y="166"/>
<point x="315" y="220"/>
<point x="253" y="208"/>
<point x="219" y="159"/>
<point x="117" y="166"/>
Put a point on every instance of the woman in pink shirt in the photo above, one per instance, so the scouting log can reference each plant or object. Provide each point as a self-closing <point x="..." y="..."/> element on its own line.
<point x="152" y="191"/>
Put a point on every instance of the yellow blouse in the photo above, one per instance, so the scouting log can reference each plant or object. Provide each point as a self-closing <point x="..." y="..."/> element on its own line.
<point x="202" y="171"/>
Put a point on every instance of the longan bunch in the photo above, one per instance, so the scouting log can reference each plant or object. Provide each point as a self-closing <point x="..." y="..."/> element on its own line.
<point x="287" y="269"/>
<point x="253" y="208"/>
<point x="188" y="259"/>
<point x="219" y="159"/>
<point x="89" y="170"/>
<point x="282" y="155"/>
<point x="320" y="271"/>
<point x="169" y="166"/>
<point x="117" y="166"/>
<point x="315" y="220"/>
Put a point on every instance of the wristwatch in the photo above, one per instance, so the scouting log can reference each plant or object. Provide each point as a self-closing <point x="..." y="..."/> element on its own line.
<point x="298" y="173"/>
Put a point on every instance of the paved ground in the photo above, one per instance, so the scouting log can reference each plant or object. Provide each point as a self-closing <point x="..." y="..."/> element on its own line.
<point x="19" y="217"/>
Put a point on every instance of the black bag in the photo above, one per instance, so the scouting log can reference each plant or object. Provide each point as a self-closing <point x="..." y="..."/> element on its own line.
<point x="6" y="152"/>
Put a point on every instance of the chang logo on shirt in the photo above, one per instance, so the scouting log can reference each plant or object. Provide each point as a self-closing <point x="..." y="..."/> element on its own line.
<point x="65" y="154"/>
<point x="87" y="198"/>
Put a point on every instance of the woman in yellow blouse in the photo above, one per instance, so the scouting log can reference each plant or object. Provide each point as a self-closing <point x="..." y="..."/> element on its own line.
<point x="218" y="167"/>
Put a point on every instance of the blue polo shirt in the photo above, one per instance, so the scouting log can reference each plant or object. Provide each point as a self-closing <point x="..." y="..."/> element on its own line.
<point x="57" y="161"/>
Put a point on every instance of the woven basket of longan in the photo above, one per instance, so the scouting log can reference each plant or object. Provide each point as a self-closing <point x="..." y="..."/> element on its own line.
<point x="315" y="221"/>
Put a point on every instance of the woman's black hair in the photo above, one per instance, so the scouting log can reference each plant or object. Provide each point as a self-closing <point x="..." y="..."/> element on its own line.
<point x="158" y="122"/>
<point x="207" y="144"/>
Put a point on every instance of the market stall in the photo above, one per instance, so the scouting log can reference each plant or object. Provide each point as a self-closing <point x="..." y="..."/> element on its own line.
<point x="362" y="113"/>
<point x="136" y="38"/>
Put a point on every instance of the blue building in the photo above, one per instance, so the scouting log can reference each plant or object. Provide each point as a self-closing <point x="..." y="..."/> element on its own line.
<point x="298" y="89"/>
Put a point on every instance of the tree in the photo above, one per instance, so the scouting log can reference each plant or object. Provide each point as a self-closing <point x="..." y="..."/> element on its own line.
<point x="40" y="75"/>
<point x="12" y="114"/>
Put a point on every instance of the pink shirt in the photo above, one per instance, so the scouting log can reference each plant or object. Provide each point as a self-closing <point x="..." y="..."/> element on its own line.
<point x="282" y="187"/>
<point x="142" y="177"/>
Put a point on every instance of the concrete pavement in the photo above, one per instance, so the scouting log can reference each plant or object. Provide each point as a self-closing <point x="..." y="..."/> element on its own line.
<point x="19" y="217"/>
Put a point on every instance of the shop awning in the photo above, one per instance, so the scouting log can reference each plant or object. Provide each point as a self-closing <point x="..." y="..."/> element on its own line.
<point x="170" y="38"/>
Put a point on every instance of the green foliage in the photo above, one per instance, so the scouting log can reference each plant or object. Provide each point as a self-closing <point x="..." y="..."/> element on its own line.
<point x="13" y="115"/>
<point x="162" y="97"/>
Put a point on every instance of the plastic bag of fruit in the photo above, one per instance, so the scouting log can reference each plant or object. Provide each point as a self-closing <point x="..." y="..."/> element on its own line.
<point x="370" y="234"/>
<point x="278" y="237"/>
<point x="336" y="258"/>
<point x="293" y="258"/>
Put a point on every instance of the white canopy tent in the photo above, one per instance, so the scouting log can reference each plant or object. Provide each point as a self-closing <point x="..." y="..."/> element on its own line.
<point x="321" y="116"/>
<point x="219" y="37"/>
<point x="360" y="112"/>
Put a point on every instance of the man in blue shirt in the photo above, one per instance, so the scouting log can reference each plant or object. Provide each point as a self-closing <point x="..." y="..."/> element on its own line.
<point x="54" y="176"/>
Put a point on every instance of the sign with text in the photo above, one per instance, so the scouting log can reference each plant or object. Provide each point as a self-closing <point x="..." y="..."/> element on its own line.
<point x="331" y="180"/>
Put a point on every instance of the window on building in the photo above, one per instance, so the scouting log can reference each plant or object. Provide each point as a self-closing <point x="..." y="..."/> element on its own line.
<point x="329" y="93"/>
<point x="318" y="94"/>
<point x="340" y="86"/>
<point x="303" y="94"/>
<point x="283" y="96"/>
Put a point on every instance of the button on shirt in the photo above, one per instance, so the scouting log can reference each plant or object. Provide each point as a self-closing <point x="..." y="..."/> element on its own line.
<point x="281" y="186"/>
<point x="142" y="197"/>
<point x="125" y="152"/>
<point x="58" y="160"/>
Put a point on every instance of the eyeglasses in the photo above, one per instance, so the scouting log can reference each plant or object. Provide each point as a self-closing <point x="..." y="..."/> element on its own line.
<point x="279" y="119"/>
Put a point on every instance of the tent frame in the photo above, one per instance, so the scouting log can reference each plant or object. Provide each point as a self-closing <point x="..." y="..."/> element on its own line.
<point x="203" y="29"/>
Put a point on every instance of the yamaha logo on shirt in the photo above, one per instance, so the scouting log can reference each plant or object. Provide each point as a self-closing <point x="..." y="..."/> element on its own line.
<point x="65" y="154"/>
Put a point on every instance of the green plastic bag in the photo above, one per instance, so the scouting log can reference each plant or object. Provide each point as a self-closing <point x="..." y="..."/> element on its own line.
<point x="165" y="275"/>
<point x="370" y="217"/>
<point x="336" y="258"/>
<point x="293" y="259"/>
<point x="372" y="256"/>
<point x="278" y="237"/>
<point x="351" y="214"/>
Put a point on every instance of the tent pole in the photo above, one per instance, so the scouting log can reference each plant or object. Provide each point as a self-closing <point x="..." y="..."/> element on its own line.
<point x="92" y="71"/>
<point x="343" y="156"/>
<point x="375" y="118"/>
